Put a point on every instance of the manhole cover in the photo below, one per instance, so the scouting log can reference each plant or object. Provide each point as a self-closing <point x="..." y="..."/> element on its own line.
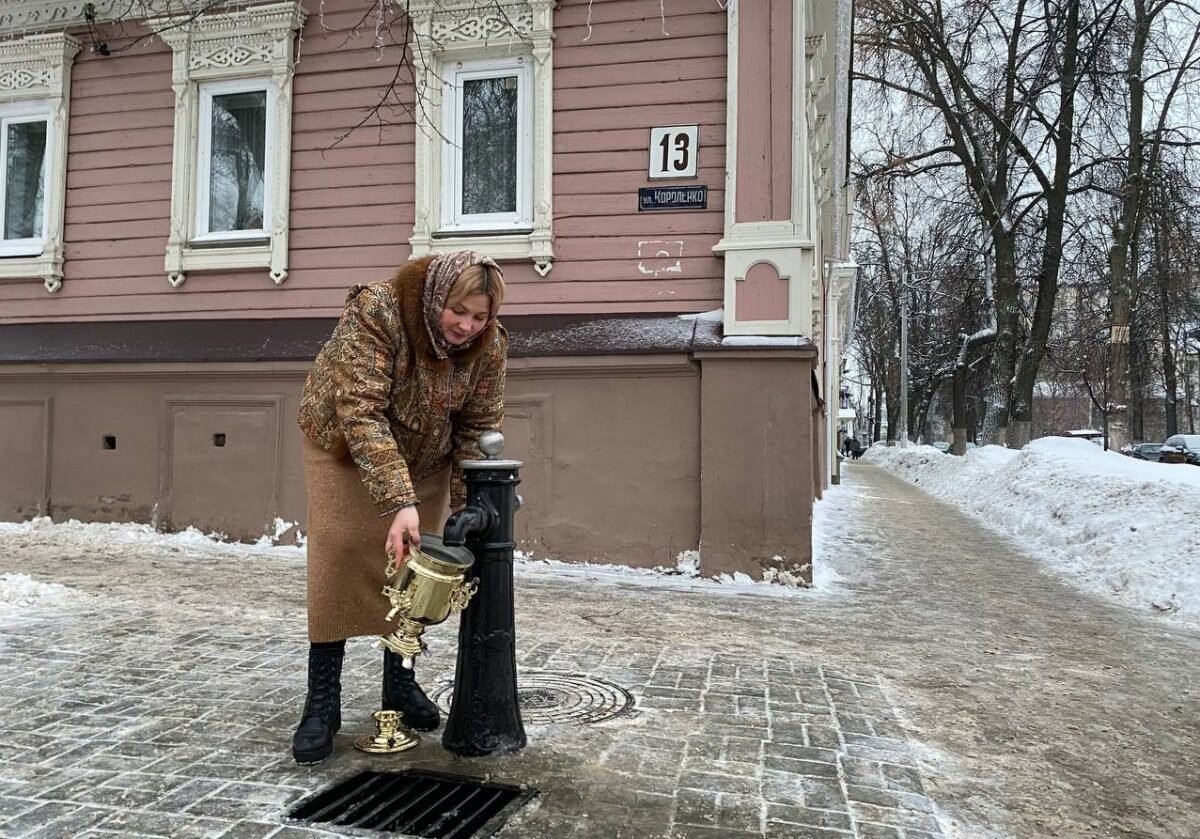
<point x="425" y="804"/>
<point x="570" y="698"/>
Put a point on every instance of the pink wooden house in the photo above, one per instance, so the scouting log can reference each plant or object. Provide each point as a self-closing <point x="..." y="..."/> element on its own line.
<point x="187" y="199"/>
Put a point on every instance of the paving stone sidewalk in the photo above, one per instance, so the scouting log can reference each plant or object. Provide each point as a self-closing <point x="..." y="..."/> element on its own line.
<point x="121" y="721"/>
<point x="948" y="689"/>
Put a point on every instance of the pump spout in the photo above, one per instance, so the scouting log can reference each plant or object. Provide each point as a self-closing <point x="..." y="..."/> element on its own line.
<point x="464" y="524"/>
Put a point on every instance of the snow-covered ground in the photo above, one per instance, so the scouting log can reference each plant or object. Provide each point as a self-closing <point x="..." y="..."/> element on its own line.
<point x="191" y="545"/>
<point x="1127" y="528"/>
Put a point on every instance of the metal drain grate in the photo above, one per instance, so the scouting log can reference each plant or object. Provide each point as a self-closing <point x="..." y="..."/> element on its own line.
<point x="425" y="804"/>
<point x="549" y="698"/>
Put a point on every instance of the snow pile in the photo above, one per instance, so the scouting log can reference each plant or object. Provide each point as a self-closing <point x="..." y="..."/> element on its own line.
<point x="764" y="341"/>
<point x="282" y="533"/>
<point x="20" y="591"/>
<point x="1124" y="527"/>
<point x="109" y="539"/>
<point x="685" y="577"/>
<point x="834" y="533"/>
<point x="688" y="563"/>
<point x="715" y="316"/>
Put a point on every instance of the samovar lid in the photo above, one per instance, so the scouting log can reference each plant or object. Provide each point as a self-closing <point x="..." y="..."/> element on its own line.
<point x="433" y="546"/>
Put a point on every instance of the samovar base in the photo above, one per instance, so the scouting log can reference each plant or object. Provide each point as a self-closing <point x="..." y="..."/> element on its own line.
<point x="389" y="737"/>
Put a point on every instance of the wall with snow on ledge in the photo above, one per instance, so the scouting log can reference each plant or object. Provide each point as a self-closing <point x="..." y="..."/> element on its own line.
<point x="1126" y="528"/>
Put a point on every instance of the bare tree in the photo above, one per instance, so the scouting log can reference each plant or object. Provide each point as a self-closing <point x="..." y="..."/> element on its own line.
<point x="1138" y="157"/>
<point x="923" y="253"/>
<point x="1002" y="81"/>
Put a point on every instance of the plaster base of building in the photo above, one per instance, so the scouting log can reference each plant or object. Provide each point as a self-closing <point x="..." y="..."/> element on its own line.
<point x="631" y="459"/>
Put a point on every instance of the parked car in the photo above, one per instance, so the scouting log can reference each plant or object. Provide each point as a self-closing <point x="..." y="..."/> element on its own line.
<point x="1182" y="448"/>
<point x="1089" y="434"/>
<point x="941" y="446"/>
<point x="1144" y="451"/>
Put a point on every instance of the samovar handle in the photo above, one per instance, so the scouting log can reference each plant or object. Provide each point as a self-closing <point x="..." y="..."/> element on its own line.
<point x="462" y="594"/>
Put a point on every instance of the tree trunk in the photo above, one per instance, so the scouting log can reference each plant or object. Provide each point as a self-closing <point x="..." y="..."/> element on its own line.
<point x="1189" y="398"/>
<point x="1170" y="382"/>
<point x="892" y="395"/>
<point x="1171" y="399"/>
<point x="922" y="420"/>
<point x="1124" y="232"/>
<point x="959" y="418"/>
<point x="876" y="410"/>
<point x="1137" y="385"/>
<point x="1008" y="315"/>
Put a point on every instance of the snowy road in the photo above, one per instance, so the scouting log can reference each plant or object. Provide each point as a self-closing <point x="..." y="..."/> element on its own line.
<point x="1036" y="711"/>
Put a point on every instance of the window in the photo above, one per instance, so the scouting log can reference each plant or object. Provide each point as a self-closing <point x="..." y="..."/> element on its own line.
<point x="231" y="168"/>
<point x="487" y="156"/>
<point x="23" y="138"/>
<point x="483" y="140"/>
<point x="233" y="161"/>
<point x="35" y="84"/>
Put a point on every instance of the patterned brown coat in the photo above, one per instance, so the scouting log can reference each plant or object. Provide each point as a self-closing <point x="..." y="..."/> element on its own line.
<point x="378" y="390"/>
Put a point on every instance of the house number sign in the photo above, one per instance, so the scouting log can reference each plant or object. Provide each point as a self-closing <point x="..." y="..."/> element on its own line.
<point x="674" y="151"/>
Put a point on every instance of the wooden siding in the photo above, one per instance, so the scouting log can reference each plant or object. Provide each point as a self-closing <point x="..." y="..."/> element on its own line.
<point x="352" y="200"/>
<point x="612" y="84"/>
<point x="764" y="154"/>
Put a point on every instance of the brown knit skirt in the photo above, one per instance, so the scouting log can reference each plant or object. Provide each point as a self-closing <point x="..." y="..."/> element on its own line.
<point x="346" y="536"/>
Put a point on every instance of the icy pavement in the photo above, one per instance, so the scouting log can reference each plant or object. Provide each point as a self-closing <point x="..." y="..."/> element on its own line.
<point x="939" y="686"/>
<point x="1121" y="527"/>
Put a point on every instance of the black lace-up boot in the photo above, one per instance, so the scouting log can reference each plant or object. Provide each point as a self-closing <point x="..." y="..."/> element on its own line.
<point x="322" y="717"/>
<point x="402" y="693"/>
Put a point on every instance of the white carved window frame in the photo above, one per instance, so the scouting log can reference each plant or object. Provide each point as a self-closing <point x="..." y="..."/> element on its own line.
<point x="454" y="221"/>
<point x="446" y="32"/>
<point x="255" y="43"/>
<point x="35" y="76"/>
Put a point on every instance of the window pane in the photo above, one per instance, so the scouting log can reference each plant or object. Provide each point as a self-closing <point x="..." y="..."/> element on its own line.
<point x="24" y="180"/>
<point x="489" y="153"/>
<point x="239" y="151"/>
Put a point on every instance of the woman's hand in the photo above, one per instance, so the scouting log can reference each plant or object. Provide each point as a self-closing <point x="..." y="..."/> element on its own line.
<point x="405" y="531"/>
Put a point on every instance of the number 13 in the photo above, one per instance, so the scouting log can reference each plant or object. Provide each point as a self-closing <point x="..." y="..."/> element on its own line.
<point x="681" y="155"/>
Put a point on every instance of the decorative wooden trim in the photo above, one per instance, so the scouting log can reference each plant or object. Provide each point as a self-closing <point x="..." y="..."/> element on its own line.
<point x="32" y="16"/>
<point x="789" y="245"/>
<point x="255" y="42"/>
<point x="733" y="31"/>
<point x="446" y="31"/>
<point x="813" y="78"/>
<point x="37" y="69"/>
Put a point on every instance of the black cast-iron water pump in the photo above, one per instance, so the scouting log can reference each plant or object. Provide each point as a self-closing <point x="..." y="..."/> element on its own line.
<point x="485" y="717"/>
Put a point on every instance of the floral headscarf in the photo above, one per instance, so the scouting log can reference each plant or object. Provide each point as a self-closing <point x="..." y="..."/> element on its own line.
<point x="439" y="279"/>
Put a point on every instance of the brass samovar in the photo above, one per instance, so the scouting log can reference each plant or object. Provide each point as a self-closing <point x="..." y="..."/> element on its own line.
<point x="424" y="591"/>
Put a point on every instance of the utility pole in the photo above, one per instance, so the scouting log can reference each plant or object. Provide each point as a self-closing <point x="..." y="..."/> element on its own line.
<point x="904" y="360"/>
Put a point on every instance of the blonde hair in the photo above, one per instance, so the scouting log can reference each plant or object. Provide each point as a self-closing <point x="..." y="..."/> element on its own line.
<point x="478" y="279"/>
